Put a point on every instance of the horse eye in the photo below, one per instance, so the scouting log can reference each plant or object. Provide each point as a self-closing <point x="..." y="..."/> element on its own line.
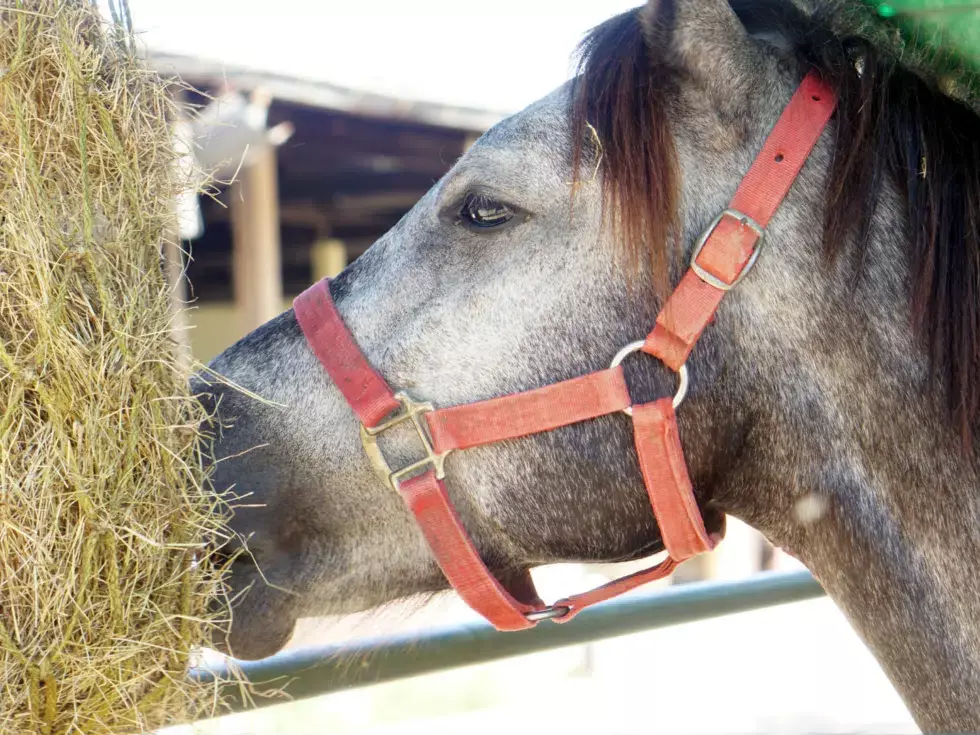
<point x="483" y="212"/>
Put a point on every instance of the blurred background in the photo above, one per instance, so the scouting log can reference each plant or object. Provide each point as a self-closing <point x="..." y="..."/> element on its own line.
<point x="325" y="123"/>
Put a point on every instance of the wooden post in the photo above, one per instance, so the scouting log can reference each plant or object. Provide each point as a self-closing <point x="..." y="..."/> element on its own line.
<point x="740" y="554"/>
<point x="783" y="562"/>
<point x="189" y="225"/>
<point x="256" y="260"/>
<point x="177" y="283"/>
<point x="329" y="258"/>
<point x="697" y="569"/>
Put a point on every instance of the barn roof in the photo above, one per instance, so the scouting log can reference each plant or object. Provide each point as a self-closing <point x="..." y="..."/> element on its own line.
<point x="323" y="95"/>
<point x="355" y="163"/>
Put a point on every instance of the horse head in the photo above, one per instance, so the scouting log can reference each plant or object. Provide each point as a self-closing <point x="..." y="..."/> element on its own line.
<point x="841" y="370"/>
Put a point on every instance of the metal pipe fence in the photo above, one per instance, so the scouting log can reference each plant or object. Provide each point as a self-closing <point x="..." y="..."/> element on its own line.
<point x="309" y="672"/>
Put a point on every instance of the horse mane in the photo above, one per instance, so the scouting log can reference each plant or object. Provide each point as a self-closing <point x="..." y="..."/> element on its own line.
<point x="618" y="95"/>
<point x="892" y="124"/>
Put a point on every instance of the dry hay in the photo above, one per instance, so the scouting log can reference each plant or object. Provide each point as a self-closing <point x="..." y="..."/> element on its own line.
<point x="102" y="503"/>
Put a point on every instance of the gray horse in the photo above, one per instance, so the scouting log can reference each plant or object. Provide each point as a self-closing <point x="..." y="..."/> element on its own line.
<point x="842" y="373"/>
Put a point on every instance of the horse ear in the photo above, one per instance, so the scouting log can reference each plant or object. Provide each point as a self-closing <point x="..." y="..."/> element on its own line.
<point x="705" y="39"/>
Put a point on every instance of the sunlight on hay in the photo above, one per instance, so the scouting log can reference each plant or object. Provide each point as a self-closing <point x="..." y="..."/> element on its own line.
<point x="102" y="504"/>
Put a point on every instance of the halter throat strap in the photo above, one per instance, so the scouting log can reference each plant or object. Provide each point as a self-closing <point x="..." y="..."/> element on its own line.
<point x="723" y="256"/>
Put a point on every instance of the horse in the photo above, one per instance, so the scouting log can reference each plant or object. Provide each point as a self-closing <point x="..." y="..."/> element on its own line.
<point x="842" y="373"/>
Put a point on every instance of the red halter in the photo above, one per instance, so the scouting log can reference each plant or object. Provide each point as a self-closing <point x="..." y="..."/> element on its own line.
<point x="722" y="257"/>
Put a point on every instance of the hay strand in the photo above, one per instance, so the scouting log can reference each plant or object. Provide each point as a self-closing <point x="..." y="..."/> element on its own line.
<point x="105" y="586"/>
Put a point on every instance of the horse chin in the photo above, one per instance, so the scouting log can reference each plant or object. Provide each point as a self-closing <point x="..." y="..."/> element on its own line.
<point x="259" y="628"/>
<point x="263" y="615"/>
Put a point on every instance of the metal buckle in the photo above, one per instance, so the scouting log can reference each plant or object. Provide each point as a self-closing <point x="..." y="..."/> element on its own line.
<point x="411" y="411"/>
<point x="682" y="376"/>
<point x="552" y="612"/>
<point x="745" y="221"/>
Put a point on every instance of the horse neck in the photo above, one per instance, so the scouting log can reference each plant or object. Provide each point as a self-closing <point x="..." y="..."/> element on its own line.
<point x="861" y="431"/>
<point x="903" y="573"/>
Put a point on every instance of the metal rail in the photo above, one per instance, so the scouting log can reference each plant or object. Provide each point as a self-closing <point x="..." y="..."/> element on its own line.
<point x="309" y="672"/>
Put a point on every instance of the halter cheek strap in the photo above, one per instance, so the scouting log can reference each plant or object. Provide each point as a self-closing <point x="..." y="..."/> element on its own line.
<point x="732" y="243"/>
<point x="722" y="257"/>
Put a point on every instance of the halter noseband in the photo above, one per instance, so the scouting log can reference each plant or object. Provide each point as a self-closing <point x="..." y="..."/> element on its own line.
<point x="722" y="257"/>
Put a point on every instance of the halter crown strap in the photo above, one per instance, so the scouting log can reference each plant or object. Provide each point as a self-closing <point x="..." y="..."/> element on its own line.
<point x="721" y="258"/>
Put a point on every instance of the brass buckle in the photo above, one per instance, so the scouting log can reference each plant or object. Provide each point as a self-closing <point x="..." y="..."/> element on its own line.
<point x="745" y="221"/>
<point x="410" y="411"/>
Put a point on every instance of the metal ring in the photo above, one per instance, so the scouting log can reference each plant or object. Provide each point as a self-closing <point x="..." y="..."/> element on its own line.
<point x="551" y="612"/>
<point x="682" y="375"/>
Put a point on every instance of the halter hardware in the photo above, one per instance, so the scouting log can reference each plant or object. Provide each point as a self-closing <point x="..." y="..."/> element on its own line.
<point x="744" y="221"/>
<point x="410" y="411"/>
<point x="552" y="612"/>
<point x="682" y="376"/>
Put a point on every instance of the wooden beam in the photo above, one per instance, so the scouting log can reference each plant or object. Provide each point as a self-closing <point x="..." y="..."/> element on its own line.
<point x="329" y="258"/>
<point x="356" y="133"/>
<point x="382" y="201"/>
<point x="304" y="214"/>
<point x="339" y="163"/>
<point x="256" y="259"/>
<point x="324" y="217"/>
<point x="326" y="184"/>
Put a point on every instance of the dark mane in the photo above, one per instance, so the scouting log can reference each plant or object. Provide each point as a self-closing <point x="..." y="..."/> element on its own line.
<point x="619" y="92"/>
<point x="892" y="124"/>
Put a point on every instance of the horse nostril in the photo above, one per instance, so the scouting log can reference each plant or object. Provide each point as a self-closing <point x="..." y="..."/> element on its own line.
<point x="220" y="556"/>
<point x="225" y="551"/>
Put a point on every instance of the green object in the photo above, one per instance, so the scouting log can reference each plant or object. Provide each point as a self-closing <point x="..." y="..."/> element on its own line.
<point x="941" y="34"/>
<point x="309" y="672"/>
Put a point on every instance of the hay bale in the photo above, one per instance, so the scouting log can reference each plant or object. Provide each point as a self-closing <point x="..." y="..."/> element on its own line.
<point x="104" y="590"/>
